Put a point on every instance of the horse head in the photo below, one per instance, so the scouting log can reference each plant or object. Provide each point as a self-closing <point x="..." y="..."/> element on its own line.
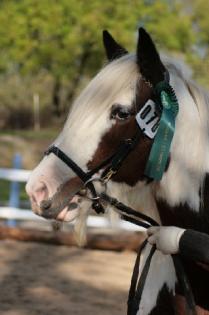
<point x="103" y="117"/>
<point x="99" y="120"/>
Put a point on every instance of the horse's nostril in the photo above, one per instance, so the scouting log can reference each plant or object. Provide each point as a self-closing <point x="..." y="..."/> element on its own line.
<point x="40" y="193"/>
<point x="73" y="206"/>
<point x="46" y="204"/>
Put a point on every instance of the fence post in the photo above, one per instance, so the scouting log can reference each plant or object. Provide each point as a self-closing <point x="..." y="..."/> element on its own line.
<point x="14" y="197"/>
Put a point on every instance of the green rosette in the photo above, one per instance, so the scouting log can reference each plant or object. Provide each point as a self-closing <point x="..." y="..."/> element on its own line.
<point x="159" y="154"/>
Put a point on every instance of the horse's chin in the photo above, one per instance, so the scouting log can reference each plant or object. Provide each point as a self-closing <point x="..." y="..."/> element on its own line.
<point x="67" y="216"/>
<point x="71" y="211"/>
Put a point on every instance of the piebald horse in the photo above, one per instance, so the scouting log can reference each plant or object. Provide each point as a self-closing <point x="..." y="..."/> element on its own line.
<point x="101" y="118"/>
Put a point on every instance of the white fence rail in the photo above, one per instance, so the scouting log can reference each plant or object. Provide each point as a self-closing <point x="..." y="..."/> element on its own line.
<point x="14" y="175"/>
<point x="14" y="214"/>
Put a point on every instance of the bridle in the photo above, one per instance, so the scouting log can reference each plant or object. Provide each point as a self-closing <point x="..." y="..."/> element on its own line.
<point x="151" y="128"/>
<point x="110" y="166"/>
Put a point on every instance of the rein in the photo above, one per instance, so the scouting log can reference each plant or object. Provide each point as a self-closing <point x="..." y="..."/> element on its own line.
<point x="138" y="282"/>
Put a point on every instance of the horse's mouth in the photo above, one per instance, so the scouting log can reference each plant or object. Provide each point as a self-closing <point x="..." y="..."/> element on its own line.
<point x="65" y="213"/>
<point x="64" y="205"/>
<point x="70" y="212"/>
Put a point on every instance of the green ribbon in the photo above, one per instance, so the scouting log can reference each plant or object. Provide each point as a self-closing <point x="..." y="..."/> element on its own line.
<point x="158" y="157"/>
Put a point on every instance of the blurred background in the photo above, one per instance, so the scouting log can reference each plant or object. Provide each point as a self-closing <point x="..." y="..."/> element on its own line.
<point x="49" y="50"/>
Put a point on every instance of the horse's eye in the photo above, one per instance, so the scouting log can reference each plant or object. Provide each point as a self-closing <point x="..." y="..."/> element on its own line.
<point x="120" y="113"/>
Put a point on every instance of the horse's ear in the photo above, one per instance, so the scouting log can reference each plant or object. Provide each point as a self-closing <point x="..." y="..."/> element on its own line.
<point x="148" y="59"/>
<point x="113" y="49"/>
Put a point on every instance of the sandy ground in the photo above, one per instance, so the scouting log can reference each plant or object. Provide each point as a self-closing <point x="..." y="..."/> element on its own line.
<point x="38" y="279"/>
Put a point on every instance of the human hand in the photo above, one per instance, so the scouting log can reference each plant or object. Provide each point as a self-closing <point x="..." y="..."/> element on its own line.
<point x="166" y="238"/>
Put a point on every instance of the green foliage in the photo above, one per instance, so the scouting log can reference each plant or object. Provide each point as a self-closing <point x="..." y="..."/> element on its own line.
<point x="63" y="38"/>
<point x="16" y="99"/>
<point x="200" y="18"/>
<point x="5" y="190"/>
<point x="55" y="34"/>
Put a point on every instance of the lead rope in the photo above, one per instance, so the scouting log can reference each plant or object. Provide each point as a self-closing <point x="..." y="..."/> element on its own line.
<point x="137" y="284"/>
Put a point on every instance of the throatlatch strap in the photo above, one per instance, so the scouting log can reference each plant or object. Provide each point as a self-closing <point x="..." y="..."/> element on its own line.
<point x="128" y="211"/>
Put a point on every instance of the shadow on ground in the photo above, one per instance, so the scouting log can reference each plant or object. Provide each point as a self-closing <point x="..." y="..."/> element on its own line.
<point x="38" y="279"/>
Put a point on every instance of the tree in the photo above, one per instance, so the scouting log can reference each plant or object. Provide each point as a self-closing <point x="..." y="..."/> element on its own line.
<point x="200" y="20"/>
<point x="63" y="37"/>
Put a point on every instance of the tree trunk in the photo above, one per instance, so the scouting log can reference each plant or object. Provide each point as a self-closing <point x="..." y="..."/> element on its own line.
<point x="78" y="75"/>
<point x="56" y="98"/>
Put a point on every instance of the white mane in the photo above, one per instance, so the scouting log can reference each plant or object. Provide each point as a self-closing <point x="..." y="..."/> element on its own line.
<point x="190" y="147"/>
<point x="99" y="95"/>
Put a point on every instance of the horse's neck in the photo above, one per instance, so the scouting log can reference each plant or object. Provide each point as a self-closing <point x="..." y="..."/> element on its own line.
<point x="143" y="198"/>
<point x="183" y="216"/>
<point x="139" y="197"/>
<point x="161" y="279"/>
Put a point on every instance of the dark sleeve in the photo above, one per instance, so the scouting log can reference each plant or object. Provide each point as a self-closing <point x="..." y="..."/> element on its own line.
<point x="195" y="245"/>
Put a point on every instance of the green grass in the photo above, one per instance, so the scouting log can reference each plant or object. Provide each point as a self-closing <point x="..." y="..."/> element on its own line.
<point x="4" y="191"/>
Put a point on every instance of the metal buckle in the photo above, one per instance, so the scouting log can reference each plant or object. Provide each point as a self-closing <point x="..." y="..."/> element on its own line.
<point x="108" y="176"/>
<point x="92" y="179"/>
<point x="84" y="191"/>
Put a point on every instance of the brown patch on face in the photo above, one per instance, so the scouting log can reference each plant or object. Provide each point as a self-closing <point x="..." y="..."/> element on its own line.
<point x="132" y="169"/>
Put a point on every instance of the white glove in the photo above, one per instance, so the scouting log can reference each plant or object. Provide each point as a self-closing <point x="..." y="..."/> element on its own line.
<point x="166" y="238"/>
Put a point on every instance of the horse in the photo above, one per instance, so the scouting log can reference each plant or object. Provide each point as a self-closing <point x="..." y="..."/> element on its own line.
<point x="101" y="119"/>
